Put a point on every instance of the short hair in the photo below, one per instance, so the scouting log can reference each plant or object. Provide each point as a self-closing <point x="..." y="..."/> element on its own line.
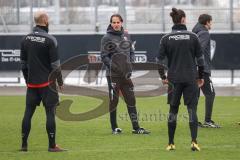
<point x="39" y="15"/>
<point x="116" y="15"/>
<point x="204" y="18"/>
<point x="177" y="15"/>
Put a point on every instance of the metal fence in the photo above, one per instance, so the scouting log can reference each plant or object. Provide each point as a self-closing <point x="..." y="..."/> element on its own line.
<point x="93" y="15"/>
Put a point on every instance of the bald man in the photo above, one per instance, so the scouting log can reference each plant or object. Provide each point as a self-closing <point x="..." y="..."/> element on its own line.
<point x="39" y="62"/>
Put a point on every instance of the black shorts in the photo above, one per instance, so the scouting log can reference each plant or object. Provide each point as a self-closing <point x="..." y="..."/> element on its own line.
<point x="48" y="96"/>
<point x="189" y="90"/>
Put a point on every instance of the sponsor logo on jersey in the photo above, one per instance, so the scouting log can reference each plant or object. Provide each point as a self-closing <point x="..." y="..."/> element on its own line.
<point x="180" y="37"/>
<point x="36" y="39"/>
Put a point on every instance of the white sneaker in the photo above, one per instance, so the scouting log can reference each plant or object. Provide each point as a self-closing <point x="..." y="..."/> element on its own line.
<point x="117" y="131"/>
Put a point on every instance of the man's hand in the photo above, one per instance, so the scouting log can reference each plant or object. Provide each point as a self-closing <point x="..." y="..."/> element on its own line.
<point x="61" y="88"/>
<point x="200" y="82"/>
<point x="165" y="81"/>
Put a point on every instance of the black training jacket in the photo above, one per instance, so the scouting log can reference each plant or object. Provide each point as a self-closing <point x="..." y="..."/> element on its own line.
<point x="39" y="57"/>
<point x="117" y="53"/>
<point x="204" y="38"/>
<point x="183" y="52"/>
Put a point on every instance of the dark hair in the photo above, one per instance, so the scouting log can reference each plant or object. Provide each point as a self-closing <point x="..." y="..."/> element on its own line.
<point x="116" y="15"/>
<point x="177" y="15"/>
<point x="204" y="18"/>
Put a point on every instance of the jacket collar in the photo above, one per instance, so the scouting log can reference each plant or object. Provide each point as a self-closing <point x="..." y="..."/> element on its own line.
<point x="38" y="28"/>
<point x="178" y="27"/>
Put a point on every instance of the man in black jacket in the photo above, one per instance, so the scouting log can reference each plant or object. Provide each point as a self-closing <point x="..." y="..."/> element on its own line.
<point x="181" y="48"/>
<point x="117" y="55"/>
<point x="39" y="60"/>
<point x="202" y="30"/>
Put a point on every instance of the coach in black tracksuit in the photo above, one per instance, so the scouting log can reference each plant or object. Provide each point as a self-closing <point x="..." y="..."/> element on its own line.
<point x="117" y="55"/>
<point x="202" y="30"/>
<point x="181" y="48"/>
<point x="39" y="57"/>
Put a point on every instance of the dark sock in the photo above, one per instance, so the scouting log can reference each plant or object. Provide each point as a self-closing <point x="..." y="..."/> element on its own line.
<point x="194" y="129"/>
<point x="193" y="121"/>
<point x="209" y="99"/>
<point x="51" y="125"/>
<point x="171" y="131"/>
<point x="113" y="119"/>
<point x="26" y="124"/>
<point x="132" y="111"/>
<point x="172" y="123"/>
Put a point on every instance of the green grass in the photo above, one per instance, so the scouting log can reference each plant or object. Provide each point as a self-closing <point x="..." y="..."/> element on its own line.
<point x="93" y="139"/>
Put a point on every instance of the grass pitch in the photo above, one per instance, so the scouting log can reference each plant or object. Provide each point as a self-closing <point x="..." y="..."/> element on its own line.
<point x="93" y="139"/>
